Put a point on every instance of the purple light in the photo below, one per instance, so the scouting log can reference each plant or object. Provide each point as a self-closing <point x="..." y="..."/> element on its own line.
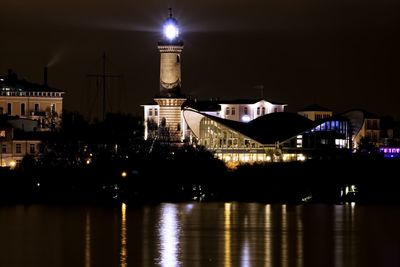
<point x="390" y="152"/>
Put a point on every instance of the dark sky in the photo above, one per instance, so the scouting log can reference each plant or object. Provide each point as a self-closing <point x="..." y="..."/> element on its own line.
<point x="339" y="54"/>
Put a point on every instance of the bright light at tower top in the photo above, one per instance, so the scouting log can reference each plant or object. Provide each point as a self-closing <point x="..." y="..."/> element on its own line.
<point x="171" y="30"/>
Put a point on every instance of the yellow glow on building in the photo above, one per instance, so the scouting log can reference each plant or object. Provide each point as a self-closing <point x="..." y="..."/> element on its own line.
<point x="301" y="157"/>
<point x="13" y="164"/>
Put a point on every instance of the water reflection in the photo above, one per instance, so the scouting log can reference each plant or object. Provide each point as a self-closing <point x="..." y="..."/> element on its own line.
<point x="299" y="236"/>
<point x="352" y="231"/>
<point x="206" y="234"/>
<point x="344" y="235"/>
<point x="245" y="254"/>
<point x="169" y="230"/>
<point x="268" y="237"/>
<point x="338" y="235"/>
<point x="87" y="240"/>
<point x="227" y="234"/>
<point x="145" y="237"/>
<point x="284" y="236"/>
<point x="124" y="238"/>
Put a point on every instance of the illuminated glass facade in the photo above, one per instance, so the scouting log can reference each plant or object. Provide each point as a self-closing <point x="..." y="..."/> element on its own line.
<point x="230" y="145"/>
<point x="242" y="142"/>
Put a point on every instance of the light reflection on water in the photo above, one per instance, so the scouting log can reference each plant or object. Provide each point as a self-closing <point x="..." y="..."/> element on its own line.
<point x="200" y="234"/>
<point x="124" y="238"/>
<point x="299" y="237"/>
<point x="169" y="230"/>
<point x="268" y="237"/>
<point x="284" y="236"/>
<point x="227" y="234"/>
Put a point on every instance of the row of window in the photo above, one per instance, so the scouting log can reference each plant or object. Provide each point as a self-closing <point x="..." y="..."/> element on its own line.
<point x="153" y="111"/>
<point x="229" y="111"/>
<point x="260" y="111"/>
<point x="18" y="148"/>
<point x="372" y="136"/>
<point x="23" y="110"/>
<point x="338" y="126"/>
<point x="13" y="93"/>
<point x="321" y="116"/>
<point x="371" y="124"/>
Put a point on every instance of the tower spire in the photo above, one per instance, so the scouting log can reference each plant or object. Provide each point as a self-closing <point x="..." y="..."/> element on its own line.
<point x="170" y="12"/>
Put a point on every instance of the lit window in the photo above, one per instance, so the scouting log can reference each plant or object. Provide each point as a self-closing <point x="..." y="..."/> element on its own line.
<point x="233" y="111"/>
<point x="227" y="111"/>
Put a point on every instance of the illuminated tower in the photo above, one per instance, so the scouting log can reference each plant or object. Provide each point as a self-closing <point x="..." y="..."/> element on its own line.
<point x="170" y="48"/>
<point x="166" y="112"/>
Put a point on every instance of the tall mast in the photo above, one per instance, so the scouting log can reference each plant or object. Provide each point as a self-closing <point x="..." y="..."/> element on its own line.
<point x="104" y="77"/>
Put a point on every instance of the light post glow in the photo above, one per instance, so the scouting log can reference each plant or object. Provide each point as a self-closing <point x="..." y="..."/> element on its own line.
<point x="171" y="31"/>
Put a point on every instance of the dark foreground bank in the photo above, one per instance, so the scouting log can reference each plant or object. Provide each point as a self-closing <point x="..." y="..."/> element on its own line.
<point x="331" y="181"/>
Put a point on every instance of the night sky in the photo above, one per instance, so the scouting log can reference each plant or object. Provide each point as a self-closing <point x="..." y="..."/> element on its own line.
<point x="339" y="54"/>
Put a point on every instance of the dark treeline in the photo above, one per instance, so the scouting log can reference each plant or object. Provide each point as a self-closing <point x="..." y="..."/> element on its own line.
<point x="110" y="161"/>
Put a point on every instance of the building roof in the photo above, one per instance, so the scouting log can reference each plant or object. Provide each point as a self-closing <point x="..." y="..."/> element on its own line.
<point x="4" y="122"/>
<point x="247" y="101"/>
<point x="314" y="107"/>
<point x="267" y="129"/>
<point x="275" y="127"/>
<point x="38" y="136"/>
<point x="152" y="103"/>
<point x="214" y="105"/>
<point x="204" y="105"/>
<point x="12" y="82"/>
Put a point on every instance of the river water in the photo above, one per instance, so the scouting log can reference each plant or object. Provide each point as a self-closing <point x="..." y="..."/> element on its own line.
<point x="200" y="234"/>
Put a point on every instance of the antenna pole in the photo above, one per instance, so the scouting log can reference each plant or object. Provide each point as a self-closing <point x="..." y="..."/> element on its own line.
<point x="104" y="77"/>
<point x="104" y="85"/>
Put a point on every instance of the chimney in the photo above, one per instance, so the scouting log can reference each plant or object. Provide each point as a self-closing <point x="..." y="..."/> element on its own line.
<point x="45" y="77"/>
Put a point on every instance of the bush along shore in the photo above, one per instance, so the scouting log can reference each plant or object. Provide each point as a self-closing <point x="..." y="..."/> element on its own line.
<point x="108" y="161"/>
<point x="193" y="174"/>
